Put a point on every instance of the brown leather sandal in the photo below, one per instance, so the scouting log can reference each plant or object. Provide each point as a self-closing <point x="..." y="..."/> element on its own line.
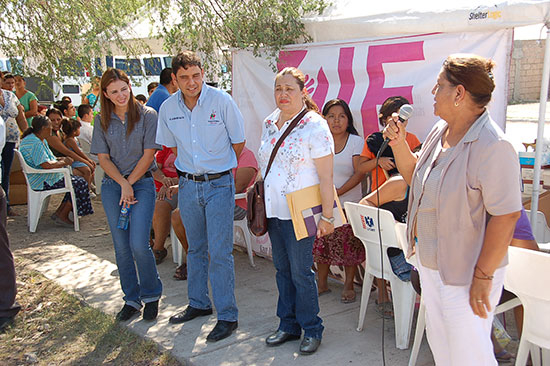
<point x="181" y="272"/>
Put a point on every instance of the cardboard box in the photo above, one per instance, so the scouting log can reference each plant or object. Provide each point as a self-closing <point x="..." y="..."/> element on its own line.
<point x="18" y="194"/>
<point x="17" y="177"/>
<point x="526" y="158"/>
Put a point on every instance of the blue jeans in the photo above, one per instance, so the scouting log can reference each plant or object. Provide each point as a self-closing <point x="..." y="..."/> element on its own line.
<point x="206" y="210"/>
<point x="133" y="244"/>
<point x="7" y="159"/>
<point x="298" y="303"/>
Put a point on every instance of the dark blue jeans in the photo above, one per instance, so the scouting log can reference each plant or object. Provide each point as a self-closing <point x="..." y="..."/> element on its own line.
<point x="206" y="210"/>
<point x="298" y="304"/>
<point x="7" y="159"/>
<point x="132" y="246"/>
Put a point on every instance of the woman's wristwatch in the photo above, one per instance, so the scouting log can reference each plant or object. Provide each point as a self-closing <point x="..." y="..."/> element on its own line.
<point x="328" y="219"/>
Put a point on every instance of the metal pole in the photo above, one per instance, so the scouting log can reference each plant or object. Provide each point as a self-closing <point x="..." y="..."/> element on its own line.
<point x="540" y="132"/>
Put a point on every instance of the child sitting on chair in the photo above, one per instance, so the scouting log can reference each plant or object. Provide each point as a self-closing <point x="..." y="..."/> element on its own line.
<point x="71" y="129"/>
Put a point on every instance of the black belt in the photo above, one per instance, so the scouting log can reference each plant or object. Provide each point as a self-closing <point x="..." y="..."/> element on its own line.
<point x="202" y="177"/>
<point x="146" y="175"/>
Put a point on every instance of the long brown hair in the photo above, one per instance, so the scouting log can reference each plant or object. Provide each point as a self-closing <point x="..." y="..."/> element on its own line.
<point x="108" y="107"/>
<point x="301" y="80"/>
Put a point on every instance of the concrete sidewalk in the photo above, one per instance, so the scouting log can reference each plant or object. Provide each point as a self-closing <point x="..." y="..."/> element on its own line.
<point x="87" y="268"/>
<point x="93" y="277"/>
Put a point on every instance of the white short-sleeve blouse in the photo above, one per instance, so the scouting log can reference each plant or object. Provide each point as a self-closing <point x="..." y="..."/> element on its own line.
<point x="343" y="168"/>
<point x="293" y="167"/>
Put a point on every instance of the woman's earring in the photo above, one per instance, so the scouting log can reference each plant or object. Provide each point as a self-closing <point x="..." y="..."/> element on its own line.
<point x="456" y="104"/>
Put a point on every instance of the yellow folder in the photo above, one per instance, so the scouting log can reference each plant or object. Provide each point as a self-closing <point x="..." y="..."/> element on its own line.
<point x="305" y="210"/>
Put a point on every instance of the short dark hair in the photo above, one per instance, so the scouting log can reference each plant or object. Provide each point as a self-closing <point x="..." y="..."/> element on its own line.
<point x="185" y="59"/>
<point x="389" y="107"/>
<point x="166" y="76"/>
<point x="63" y="106"/>
<point x="84" y="109"/>
<point x="66" y="98"/>
<point x="8" y="75"/>
<point x="69" y="126"/>
<point x="152" y="86"/>
<point x="141" y="98"/>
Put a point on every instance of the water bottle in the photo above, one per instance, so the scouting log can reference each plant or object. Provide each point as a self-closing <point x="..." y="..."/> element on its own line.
<point x="124" y="218"/>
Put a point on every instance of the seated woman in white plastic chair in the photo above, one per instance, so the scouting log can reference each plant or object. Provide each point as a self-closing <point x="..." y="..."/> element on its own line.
<point x="244" y="175"/>
<point x="37" y="154"/>
<point x="392" y="195"/>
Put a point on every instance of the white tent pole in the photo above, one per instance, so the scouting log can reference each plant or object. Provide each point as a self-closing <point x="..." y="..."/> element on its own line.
<point x="540" y="132"/>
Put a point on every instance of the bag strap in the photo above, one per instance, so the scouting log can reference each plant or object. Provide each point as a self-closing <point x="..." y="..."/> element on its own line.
<point x="287" y="132"/>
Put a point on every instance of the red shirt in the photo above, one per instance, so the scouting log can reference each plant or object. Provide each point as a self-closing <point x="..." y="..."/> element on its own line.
<point x="166" y="159"/>
<point x="246" y="160"/>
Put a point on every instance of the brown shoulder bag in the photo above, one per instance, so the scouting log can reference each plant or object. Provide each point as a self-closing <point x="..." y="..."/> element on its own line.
<point x="255" y="197"/>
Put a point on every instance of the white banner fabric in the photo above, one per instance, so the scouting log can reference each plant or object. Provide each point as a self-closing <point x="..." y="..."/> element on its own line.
<point x="365" y="73"/>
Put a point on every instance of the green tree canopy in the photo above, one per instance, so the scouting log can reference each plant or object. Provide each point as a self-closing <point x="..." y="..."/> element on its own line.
<point x="46" y="33"/>
<point x="211" y="25"/>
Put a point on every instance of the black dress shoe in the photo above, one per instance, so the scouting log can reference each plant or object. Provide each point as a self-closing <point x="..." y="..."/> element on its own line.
<point x="151" y="310"/>
<point x="5" y="323"/>
<point x="188" y="314"/>
<point x="126" y="313"/>
<point x="223" y="329"/>
<point x="280" y="337"/>
<point x="309" y="345"/>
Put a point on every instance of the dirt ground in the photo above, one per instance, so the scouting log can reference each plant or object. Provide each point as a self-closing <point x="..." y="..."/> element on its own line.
<point x="94" y="235"/>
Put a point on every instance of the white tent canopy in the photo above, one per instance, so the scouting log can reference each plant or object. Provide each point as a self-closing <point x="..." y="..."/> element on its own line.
<point x="356" y="19"/>
<point x="353" y="19"/>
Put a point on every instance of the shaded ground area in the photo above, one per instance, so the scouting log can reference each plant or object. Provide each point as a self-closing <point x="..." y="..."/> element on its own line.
<point x="56" y="328"/>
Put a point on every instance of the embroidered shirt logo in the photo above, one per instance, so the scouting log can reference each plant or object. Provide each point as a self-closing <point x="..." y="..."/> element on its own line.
<point x="213" y="115"/>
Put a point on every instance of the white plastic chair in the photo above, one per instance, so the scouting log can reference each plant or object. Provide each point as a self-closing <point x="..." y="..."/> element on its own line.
<point x="98" y="173"/>
<point x="177" y="252"/>
<point x="363" y="220"/>
<point x="542" y="233"/>
<point x="37" y="201"/>
<point x="527" y="276"/>
<point x="243" y="225"/>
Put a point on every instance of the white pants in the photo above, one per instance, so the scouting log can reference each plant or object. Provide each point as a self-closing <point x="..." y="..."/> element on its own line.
<point x="457" y="336"/>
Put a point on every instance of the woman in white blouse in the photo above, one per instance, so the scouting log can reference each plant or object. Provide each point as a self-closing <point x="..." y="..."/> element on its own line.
<point x="342" y="248"/>
<point x="304" y="159"/>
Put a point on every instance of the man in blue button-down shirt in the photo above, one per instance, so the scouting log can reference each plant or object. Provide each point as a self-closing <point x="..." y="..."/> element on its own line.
<point x="205" y="129"/>
<point x="166" y="88"/>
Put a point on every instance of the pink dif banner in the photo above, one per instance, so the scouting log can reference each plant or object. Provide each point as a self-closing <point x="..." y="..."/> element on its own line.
<point x="365" y="73"/>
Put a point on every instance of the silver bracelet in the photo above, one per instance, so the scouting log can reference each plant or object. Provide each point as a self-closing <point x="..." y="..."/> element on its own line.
<point x="328" y="219"/>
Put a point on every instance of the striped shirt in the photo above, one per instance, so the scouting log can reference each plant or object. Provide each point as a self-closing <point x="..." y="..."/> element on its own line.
<point x="36" y="152"/>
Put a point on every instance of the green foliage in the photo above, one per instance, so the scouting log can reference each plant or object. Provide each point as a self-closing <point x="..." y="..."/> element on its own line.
<point x="44" y="32"/>
<point x="209" y="26"/>
<point x="75" y="32"/>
